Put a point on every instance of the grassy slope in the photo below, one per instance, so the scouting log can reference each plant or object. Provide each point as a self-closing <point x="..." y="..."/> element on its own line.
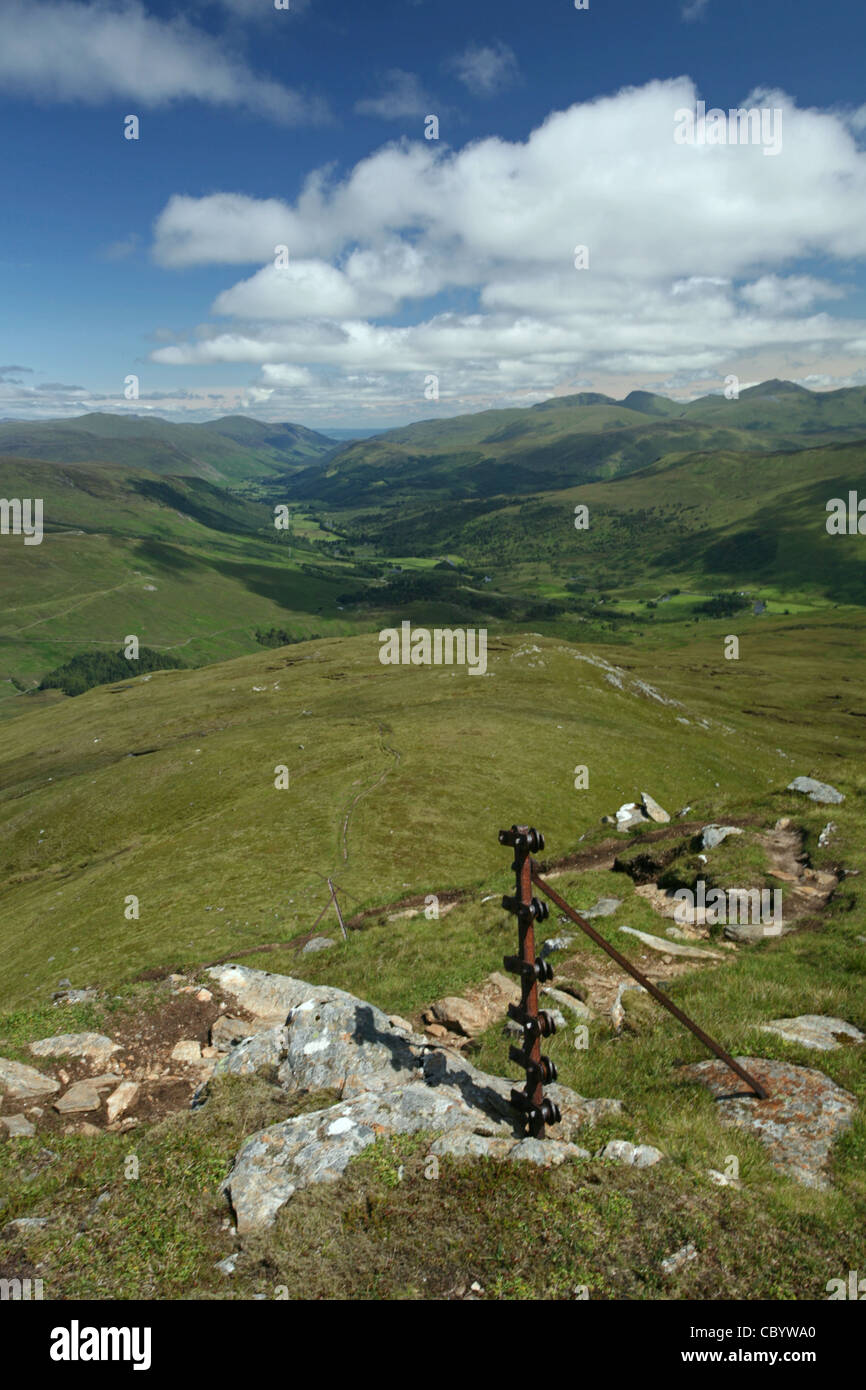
<point x="216" y="571"/>
<point x="438" y="761"/>
<point x="177" y="561"/>
<point x="426" y="756"/>
<point x="227" y="450"/>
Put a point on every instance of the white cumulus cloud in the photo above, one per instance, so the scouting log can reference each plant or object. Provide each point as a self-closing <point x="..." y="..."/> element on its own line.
<point x="58" y="50"/>
<point x="693" y="255"/>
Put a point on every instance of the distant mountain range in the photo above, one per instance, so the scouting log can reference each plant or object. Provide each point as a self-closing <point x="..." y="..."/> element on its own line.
<point x="226" y="451"/>
<point x="558" y="443"/>
<point x="570" y="440"/>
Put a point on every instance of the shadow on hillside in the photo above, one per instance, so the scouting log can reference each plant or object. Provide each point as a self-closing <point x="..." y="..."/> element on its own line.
<point x="167" y="558"/>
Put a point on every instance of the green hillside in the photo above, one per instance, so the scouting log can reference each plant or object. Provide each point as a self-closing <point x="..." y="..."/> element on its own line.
<point x="694" y="520"/>
<point x="230" y="450"/>
<point x="571" y="440"/>
<point x="577" y="444"/>
<point x="783" y="408"/>
<point x="147" y="826"/>
<point x="177" y="561"/>
<point x="116" y="500"/>
<point x="399" y="779"/>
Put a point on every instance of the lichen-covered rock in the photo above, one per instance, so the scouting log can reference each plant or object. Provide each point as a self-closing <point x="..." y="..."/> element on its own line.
<point x="804" y="1114"/>
<point x="391" y="1083"/>
<point x="259" y="1052"/>
<point x="341" y="1044"/>
<point x="346" y="1044"/>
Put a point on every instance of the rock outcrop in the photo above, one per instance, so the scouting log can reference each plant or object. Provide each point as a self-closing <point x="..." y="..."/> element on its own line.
<point x="390" y="1081"/>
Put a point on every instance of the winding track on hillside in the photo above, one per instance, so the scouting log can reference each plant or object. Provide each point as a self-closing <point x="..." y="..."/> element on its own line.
<point x="80" y="602"/>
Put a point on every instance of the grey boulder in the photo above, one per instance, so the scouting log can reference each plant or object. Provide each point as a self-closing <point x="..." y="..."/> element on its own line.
<point x="817" y="1031"/>
<point x="95" y="1047"/>
<point x="652" y="809"/>
<point x="714" y="835"/>
<point x="21" y="1082"/>
<point x="822" y="792"/>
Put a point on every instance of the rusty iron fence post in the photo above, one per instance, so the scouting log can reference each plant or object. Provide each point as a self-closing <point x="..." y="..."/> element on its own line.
<point x="536" y="1109"/>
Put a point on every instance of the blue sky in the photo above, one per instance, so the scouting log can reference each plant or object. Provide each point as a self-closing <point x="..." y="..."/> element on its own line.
<point x="410" y="259"/>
